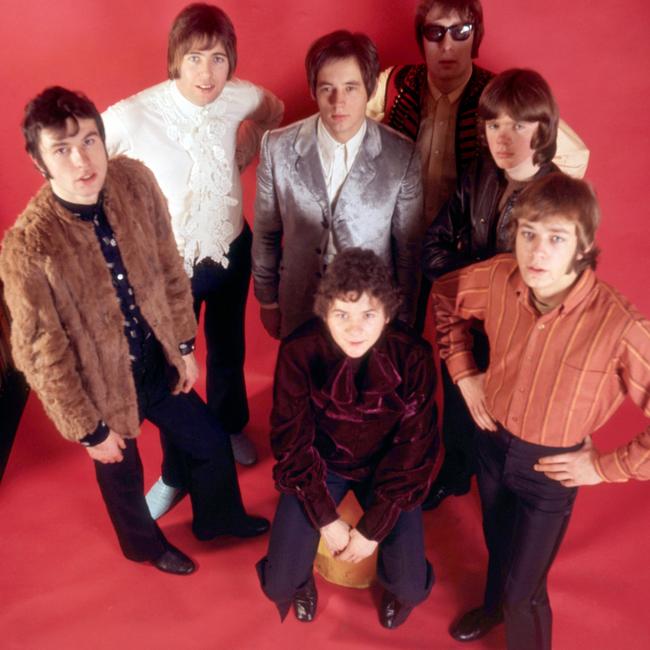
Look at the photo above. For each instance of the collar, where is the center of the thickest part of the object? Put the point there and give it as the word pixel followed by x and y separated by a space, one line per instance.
pixel 454 95
pixel 84 212
pixel 328 146
pixel 185 106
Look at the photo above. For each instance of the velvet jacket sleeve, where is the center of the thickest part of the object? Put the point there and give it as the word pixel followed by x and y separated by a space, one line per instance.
pixel 299 469
pixel 402 477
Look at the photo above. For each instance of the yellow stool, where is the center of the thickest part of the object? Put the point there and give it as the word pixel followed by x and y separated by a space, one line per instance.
pixel 346 574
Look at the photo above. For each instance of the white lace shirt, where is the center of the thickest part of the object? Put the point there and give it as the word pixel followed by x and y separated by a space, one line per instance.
pixel 196 154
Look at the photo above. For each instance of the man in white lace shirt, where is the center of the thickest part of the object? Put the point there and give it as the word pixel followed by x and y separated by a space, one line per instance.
pixel 196 132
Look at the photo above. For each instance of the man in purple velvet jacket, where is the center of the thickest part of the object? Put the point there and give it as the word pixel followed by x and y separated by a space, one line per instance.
pixel 353 409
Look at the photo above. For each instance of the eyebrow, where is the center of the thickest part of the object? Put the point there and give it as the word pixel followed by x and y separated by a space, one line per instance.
pixel 65 139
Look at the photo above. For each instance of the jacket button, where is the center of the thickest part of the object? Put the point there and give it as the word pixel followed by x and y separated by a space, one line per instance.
pixel 482 220
pixel 318 251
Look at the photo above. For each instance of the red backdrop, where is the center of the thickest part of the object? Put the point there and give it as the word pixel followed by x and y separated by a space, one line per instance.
pixel 594 54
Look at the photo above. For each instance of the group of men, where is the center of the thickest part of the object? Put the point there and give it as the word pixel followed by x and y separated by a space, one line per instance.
pixel 371 169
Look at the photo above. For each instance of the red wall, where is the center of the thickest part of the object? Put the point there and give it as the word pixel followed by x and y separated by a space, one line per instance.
pixel 594 54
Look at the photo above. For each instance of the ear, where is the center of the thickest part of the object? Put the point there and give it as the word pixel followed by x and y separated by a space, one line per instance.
pixel 41 170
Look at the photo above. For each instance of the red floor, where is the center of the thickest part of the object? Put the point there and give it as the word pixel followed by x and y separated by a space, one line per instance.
pixel 64 584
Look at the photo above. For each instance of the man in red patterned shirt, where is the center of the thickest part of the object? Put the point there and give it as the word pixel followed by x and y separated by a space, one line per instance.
pixel 565 350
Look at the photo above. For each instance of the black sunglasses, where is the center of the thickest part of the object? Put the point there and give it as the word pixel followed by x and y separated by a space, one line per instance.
pixel 435 33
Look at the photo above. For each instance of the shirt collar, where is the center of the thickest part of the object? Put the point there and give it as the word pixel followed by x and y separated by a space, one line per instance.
pixel 455 94
pixel 327 145
pixel 84 212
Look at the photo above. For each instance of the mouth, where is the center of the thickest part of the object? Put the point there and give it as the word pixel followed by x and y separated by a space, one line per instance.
pixel 533 270
pixel 205 87
pixel 87 178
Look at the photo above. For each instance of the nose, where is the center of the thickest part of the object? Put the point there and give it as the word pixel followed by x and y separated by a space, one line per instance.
pixel 354 326
pixel 79 156
pixel 447 41
pixel 336 97
pixel 503 137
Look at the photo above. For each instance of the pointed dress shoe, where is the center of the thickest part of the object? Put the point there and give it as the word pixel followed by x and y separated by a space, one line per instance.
pixel 392 612
pixel 305 601
pixel 475 624
pixel 174 561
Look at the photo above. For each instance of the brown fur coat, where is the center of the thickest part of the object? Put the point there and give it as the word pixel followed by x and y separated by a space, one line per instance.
pixel 67 332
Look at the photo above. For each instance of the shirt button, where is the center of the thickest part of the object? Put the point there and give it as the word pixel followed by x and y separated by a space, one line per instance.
pixel 482 220
pixel 120 276
pixel 113 242
pixel 437 151
pixel 541 327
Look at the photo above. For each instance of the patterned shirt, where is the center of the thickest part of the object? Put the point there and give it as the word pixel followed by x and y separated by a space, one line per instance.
pixel 553 378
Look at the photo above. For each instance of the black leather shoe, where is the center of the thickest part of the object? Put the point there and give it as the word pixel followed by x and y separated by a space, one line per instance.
pixel 475 624
pixel 305 601
pixel 392 612
pixel 440 491
pixel 249 526
pixel 174 561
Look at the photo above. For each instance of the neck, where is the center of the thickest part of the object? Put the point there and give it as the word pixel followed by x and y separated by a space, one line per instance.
pixel 523 171
pixel 448 86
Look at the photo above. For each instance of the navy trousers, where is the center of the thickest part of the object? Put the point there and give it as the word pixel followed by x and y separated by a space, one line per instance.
pixel 224 292
pixel 402 567
pixel 204 458
pixel 525 516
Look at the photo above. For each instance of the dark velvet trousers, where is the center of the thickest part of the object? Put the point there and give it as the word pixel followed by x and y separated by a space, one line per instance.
pixel 224 292
pixel 458 428
pixel 402 568
pixel 525 516
pixel 204 457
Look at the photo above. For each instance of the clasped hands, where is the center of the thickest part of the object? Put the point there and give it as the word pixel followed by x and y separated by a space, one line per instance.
pixel 571 469
pixel 346 543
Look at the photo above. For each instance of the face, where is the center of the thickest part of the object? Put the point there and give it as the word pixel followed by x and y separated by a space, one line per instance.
pixel 203 74
pixel 448 62
pixel 509 141
pixel 76 163
pixel 546 251
pixel 341 96
pixel 356 326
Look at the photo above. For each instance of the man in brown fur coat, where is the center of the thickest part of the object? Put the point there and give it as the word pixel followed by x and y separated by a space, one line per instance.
pixel 103 326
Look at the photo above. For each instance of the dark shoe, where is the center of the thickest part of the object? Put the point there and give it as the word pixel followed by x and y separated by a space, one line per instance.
pixel 249 527
pixel 440 491
pixel 475 624
pixel 305 601
pixel 243 449
pixel 392 612
pixel 174 561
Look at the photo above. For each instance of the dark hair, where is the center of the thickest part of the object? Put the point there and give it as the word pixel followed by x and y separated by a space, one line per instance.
pixel 200 25
pixel 469 10
pixel 526 97
pixel 353 272
pixel 52 109
pixel 343 44
pixel 558 194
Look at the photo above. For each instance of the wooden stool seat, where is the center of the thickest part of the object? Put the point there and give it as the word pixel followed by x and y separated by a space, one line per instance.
pixel 346 574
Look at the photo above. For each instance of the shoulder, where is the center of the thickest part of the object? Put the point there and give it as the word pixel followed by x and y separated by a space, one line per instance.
pixel 399 146
pixel 287 135
pixel 306 342
pixel 29 239
pixel 401 336
pixel 621 310
pixel 132 106
pixel 128 178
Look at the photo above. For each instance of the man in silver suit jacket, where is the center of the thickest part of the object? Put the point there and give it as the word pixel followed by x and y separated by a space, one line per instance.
pixel 330 182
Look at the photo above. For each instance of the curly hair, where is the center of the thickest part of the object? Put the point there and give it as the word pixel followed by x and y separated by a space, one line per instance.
pixel 353 272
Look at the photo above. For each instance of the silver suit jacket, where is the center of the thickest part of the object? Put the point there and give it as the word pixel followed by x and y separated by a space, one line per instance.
pixel 379 207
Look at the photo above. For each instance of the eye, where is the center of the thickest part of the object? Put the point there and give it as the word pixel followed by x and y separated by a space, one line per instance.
pixel 520 126
pixel 193 58
pixel 491 126
pixel 89 141
pixel 528 235
pixel 219 58
pixel 557 239
pixel 370 315
pixel 60 151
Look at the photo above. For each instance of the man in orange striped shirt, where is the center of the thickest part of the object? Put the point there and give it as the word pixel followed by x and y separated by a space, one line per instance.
pixel 565 350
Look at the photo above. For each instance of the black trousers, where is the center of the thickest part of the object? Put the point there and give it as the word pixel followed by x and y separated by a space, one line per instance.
pixel 525 516
pixel 458 428
pixel 204 457
pixel 402 567
pixel 224 293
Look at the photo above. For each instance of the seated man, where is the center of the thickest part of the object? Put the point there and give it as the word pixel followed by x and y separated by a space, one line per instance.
pixel 353 409
pixel 103 327
pixel 565 348
pixel 330 182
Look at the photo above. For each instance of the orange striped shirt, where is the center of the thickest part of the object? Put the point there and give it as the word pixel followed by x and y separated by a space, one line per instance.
pixel 553 378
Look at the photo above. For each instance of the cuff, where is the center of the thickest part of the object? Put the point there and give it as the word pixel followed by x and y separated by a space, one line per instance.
pixel 461 364
pixel 97 436
pixel 610 469
pixel 377 522
pixel 187 347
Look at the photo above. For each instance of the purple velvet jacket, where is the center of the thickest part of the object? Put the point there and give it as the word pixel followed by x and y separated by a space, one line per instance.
pixel 373 418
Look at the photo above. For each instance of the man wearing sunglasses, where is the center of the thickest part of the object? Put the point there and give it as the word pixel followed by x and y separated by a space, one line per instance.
pixel 435 104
